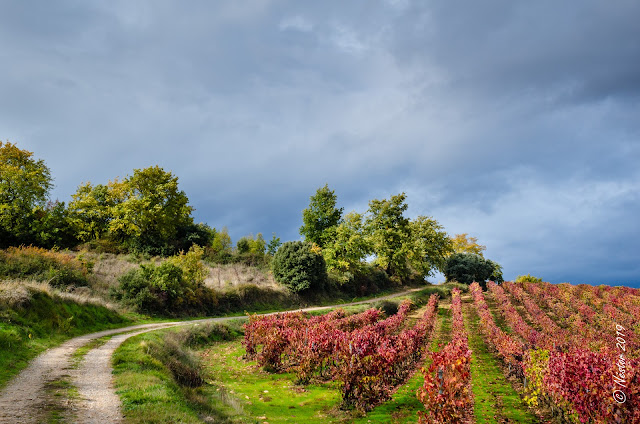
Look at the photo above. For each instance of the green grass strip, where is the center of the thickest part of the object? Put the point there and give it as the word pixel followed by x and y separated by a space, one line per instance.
pixel 495 399
pixel 273 398
pixel 145 386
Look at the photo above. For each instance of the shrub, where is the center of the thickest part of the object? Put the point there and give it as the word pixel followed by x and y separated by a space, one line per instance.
pixel 466 268
pixel 300 266
pixel 528 279
pixel 167 289
pixel 34 263
pixel 389 307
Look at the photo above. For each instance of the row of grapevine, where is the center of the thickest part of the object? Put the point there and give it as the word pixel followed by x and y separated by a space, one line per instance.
pixel 280 334
pixel 372 363
pixel 509 350
pixel 531 336
pixel 446 392
pixel 570 377
pixel 549 297
pixel 367 356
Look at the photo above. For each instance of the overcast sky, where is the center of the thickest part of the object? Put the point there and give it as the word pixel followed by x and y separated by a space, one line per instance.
pixel 517 122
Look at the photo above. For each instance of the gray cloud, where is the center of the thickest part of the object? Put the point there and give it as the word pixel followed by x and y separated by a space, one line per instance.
pixel 513 121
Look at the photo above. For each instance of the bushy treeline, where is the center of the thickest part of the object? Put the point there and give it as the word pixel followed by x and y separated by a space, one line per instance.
pixel 144 213
pixel 383 240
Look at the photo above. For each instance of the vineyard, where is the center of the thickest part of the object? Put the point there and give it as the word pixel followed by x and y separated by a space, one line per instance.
pixel 568 354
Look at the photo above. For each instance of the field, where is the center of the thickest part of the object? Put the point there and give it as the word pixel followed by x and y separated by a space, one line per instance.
pixel 514 353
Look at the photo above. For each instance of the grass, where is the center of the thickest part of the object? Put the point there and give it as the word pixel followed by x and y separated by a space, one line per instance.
pixel 78 355
pixel 59 392
pixel 495 399
pixel 273 398
pixel 145 386
pixel 34 317
pixel 147 382
pixel 404 405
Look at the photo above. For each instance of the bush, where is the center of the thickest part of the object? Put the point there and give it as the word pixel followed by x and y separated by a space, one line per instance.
pixel 466 268
pixel 167 289
pixel 300 267
pixel 34 263
pixel 366 280
pixel 389 307
pixel 528 279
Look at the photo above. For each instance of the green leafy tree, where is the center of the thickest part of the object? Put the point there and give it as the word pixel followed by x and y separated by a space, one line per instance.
pixel 199 234
pixel 389 234
pixel 466 268
pixel 496 274
pixel 321 217
pixel 528 278
pixel 151 212
pixel 300 266
pixel 53 228
pixel 25 183
pixel 430 246
pixel 463 243
pixel 221 247
pixel 349 247
pixel 91 211
pixel 243 245
pixel 273 245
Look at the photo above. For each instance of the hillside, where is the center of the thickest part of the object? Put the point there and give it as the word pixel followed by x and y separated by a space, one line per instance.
pixel 517 352
pixel 35 317
pixel 534 353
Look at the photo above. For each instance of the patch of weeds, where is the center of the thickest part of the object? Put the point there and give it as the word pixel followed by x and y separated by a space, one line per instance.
pixel 60 395
pixel 81 352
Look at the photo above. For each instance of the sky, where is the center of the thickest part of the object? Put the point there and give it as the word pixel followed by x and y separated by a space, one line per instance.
pixel 516 122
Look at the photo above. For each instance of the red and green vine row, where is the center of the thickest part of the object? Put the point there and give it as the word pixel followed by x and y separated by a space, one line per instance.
pixel 446 392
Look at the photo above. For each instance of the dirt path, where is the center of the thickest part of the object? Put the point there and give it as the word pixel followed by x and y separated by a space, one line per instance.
pixel 27 400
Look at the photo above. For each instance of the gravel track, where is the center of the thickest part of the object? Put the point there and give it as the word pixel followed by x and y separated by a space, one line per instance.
pixel 25 398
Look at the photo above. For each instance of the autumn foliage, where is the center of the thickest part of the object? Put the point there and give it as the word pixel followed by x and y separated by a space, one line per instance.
pixel 367 355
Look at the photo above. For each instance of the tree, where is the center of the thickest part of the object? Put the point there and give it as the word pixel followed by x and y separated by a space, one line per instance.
pixel 91 211
pixel 151 212
pixel 52 226
pixel 221 247
pixel 496 274
pixel 528 278
pixel 243 245
pixel 430 246
pixel 299 265
pixel 349 246
pixel 273 245
pixel 466 268
pixel 462 243
pixel 24 185
pixel 199 234
pixel 321 217
pixel 388 231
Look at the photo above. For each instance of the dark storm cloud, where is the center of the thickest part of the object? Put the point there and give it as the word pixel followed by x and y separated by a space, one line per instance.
pixel 516 122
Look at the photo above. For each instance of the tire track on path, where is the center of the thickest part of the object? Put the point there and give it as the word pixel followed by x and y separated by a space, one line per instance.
pixel 24 400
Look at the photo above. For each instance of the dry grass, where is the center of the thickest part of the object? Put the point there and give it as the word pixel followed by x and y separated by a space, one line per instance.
pixel 107 269
pixel 16 293
pixel 226 277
